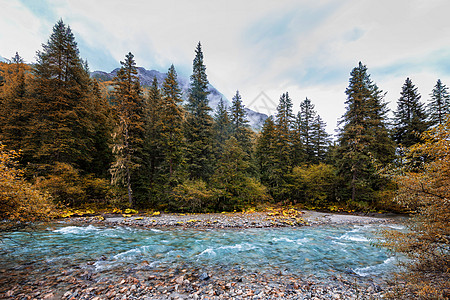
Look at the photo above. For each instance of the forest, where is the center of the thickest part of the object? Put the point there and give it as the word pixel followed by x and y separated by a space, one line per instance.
pixel 68 140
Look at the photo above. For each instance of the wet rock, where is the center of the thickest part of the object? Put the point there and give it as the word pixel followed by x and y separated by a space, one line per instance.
pixel 204 276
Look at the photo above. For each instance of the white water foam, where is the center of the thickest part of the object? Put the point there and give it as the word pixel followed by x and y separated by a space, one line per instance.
pixel 208 252
pixel 376 269
pixel 76 229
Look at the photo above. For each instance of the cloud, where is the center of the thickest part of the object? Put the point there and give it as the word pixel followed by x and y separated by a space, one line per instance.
pixel 304 47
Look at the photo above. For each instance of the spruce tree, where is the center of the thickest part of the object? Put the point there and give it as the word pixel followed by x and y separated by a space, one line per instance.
pixel 198 126
pixel 439 105
pixel 129 135
pixel 239 123
pixel 320 139
pixel 410 118
pixel 267 153
pixel 221 128
pixel 363 137
pixel 61 126
pixel 283 127
pixel 307 116
pixel 153 153
pixel 172 121
pixel 14 104
pixel 298 150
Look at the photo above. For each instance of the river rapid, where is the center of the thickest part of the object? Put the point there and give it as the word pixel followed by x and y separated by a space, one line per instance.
pixel 62 258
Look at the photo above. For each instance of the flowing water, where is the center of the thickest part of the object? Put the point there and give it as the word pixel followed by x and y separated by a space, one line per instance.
pixel 321 251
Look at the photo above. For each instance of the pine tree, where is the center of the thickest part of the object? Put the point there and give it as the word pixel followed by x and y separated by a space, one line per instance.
pixel 129 135
pixel 283 127
pixel 439 105
pixel 364 136
pixel 410 118
pixel 320 139
pixel 198 126
pixel 14 104
pixel 172 121
pixel 307 116
pixel 298 149
pixel 62 128
pixel 221 128
pixel 239 123
pixel 267 153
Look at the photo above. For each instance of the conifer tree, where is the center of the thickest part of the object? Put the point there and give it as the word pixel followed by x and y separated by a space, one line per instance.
pixel 364 136
pixel 410 118
pixel 14 104
pixel 221 128
pixel 129 135
pixel 152 147
pixel 267 153
pixel 198 126
pixel 320 139
pixel 283 127
pixel 172 121
pixel 239 123
pixel 61 130
pixel 298 149
pixel 439 105
pixel 307 116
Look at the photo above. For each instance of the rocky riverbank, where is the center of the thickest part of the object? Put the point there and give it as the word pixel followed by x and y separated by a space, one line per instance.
pixel 281 218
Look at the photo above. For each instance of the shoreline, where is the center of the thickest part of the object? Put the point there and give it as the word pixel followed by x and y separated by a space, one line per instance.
pixel 235 220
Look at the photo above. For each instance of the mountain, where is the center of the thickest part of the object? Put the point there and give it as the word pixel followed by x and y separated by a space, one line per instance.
pixel 256 119
pixel 2 59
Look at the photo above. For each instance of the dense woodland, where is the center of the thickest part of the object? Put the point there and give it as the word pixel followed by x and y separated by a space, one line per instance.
pixel 67 139
pixel 84 141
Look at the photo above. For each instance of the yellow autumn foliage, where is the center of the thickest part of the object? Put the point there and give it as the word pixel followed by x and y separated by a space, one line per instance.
pixel 20 202
pixel 424 189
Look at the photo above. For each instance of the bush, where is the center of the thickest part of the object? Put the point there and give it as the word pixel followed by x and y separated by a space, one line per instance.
pixel 314 184
pixel 192 196
pixel 20 201
pixel 68 187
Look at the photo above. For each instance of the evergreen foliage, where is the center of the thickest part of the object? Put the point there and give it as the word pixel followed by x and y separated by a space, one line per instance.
pixel 198 126
pixel 61 126
pixel 439 105
pixel 307 116
pixel 171 123
pixel 410 118
pixel 239 123
pixel 363 138
pixel 129 134
pixel 221 128
pixel 14 103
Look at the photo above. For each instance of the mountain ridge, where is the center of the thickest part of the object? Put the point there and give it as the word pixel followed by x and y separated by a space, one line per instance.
pixel 256 119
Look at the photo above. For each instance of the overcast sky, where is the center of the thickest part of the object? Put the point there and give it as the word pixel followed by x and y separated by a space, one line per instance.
pixel 262 48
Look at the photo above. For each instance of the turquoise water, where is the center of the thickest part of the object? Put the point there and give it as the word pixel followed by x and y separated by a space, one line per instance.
pixel 321 251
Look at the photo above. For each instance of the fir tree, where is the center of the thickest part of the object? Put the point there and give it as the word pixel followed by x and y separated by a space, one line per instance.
pixel 239 123
pixel 307 116
pixel 172 120
pixel 128 139
pixel 320 139
pixel 198 126
pixel 298 149
pixel 410 118
pixel 364 136
pixel 267 153
pixel 153 153
pixel 14 104
pixel 439 105
pixel 221 128
pixel 283 127
pixel 62 127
